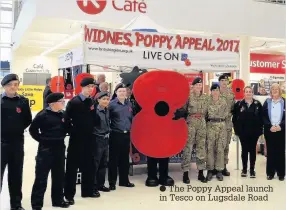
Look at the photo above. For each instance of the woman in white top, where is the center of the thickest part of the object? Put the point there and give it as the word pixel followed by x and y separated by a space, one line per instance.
pixel 274 132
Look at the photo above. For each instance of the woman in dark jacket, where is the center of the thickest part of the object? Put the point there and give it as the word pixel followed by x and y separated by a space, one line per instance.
pixel 248 126
pixel 274 133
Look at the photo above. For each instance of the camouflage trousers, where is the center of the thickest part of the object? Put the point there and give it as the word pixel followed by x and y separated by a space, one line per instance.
pixel 216 140
pixel 196 136
pixel 228 139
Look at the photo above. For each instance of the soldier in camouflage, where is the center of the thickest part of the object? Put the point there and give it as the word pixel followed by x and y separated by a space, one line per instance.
pixel 216 133
pixel 196 108
pixel 228 95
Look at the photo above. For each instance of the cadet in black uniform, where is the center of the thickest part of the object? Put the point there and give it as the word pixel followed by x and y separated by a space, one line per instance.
pixel 121 116
pixel 101 138
pixel 79 110
pixel 49 128
pixel 15 118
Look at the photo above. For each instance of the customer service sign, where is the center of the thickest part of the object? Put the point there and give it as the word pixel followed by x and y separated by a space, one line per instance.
pixel 158 50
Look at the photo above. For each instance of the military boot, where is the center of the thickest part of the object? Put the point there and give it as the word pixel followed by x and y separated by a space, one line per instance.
pixel 225 172
pixel 219 176
pixel 186 178
pixel 214 172
pixel 209 175
pixel 201 176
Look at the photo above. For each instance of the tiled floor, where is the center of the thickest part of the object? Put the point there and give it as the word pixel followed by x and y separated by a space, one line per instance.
pixel 142 198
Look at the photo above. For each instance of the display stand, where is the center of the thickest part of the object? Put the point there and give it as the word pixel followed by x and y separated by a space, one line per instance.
pixel 181 53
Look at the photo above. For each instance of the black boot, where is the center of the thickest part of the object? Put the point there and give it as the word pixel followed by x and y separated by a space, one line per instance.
pixel 214 172
pixel 63 204
pixel 219 176
pixel 152 182
pixel 166 181
pixel 201 176
pixel 209 175
pixel 186 178
pixel 225 172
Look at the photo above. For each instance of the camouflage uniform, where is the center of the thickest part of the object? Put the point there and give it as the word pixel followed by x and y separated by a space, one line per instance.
pixel 229 98
pixel 196 132
pixel 216 134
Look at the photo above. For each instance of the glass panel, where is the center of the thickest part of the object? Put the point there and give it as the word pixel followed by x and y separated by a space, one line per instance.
pixel 6 17
pixel 6 35
pixel 5 54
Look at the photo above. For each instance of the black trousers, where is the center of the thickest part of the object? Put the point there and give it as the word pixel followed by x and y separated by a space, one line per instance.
pixel 49 158
pixel 275 143
pixel 119 148
pixel 163 167
pixel 12 154
pixel 79 156
pixel 248 146
pixel 100 160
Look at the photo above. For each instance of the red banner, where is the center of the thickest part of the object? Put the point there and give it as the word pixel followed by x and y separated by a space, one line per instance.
pixel 191 76
pixel 267 63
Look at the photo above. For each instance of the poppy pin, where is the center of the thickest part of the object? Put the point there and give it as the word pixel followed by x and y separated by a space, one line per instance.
pixel 18 110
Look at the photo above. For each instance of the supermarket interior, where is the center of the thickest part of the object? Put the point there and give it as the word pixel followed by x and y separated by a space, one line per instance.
pixel 59 41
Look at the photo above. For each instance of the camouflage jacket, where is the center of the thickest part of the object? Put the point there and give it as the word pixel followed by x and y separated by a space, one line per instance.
pixel 218 109
pixel 228 96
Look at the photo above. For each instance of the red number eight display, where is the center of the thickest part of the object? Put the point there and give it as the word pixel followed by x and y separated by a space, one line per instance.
pixel 154 132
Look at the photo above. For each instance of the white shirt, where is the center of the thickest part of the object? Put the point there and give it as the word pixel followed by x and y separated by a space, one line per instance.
pixel 276 112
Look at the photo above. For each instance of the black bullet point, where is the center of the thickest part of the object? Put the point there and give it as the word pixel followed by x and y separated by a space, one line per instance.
pixel 162 188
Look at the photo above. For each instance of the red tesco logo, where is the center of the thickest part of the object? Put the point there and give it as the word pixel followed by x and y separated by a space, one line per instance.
pixel 93 7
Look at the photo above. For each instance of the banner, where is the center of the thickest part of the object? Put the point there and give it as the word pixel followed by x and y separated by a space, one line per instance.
pixel 267 69
pixel 267 64
pixel 139 159
pixel 34 94
pixel 157 50
pixel 191 76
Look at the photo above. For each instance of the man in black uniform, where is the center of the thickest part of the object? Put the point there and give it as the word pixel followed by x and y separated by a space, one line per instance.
pixel 100 140
pixel 47 92
pixel 49 128
pixel 79 110
pixel 15 117
pixel 121 116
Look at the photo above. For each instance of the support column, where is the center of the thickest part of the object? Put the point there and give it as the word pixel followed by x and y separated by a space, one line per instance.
pixel 244 53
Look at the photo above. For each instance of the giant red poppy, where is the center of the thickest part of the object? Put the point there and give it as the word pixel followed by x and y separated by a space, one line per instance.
pixel 237 89
pixel 57 84
pixel 78 80
pixel 154 132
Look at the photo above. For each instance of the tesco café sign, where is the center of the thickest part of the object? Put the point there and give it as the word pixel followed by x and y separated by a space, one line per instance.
pixel 93 7
pixel 267 64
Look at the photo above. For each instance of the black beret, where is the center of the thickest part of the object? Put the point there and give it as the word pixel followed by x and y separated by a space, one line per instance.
pixel 197 80
pixel 120 85
pixel 87 81
pixel 214 87
pixel 102 94
pixel 54 97
pixel 8 78
pixel 222 77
